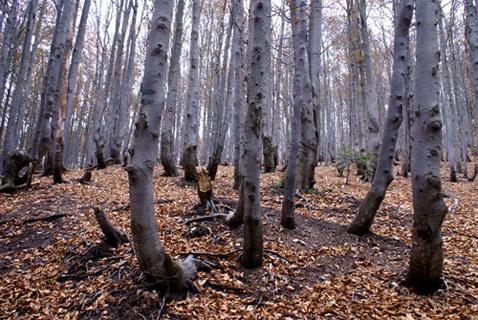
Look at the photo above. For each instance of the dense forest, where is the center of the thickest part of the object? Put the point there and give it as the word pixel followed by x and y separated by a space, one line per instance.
pixel 217 159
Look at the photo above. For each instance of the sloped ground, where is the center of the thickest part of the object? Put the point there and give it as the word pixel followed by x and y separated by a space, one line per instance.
pixel 60 269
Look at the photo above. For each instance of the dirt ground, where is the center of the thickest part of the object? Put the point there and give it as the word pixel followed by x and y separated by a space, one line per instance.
pixel 53 263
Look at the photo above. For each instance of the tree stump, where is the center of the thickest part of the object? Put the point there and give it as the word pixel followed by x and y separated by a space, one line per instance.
pixel 13 179
pixel 205 192
pixel 113 236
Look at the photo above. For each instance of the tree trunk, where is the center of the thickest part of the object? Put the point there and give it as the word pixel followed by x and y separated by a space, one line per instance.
pixel 238 80
pixel 75 64
pixel 250 150
pixel 189 158
pixel 16 107
pixel 299 33
pixel 150 253
pixel 384 174
pixel 309 138
pixel 172 99
pixel 314 47
pixel 370 95
pixel 426 257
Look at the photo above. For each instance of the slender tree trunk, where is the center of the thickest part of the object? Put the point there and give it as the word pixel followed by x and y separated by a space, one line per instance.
pixel 268 147
pixel 299 33
pixel 238 80
pixel 384 174
pixel 16 107
pixel 73 74
pixel 314 47
pixel 426 257
pixel 50 95
pixel 370 94
pixel 59 107
pixel 189 158
pixel 117 132
pixel 172 100
pixel 5 53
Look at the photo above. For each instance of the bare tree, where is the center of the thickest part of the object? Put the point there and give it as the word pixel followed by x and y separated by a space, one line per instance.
pixel 384 174
pixel 426 257
pixel 152 258
pixel 172 100
pixel 189 157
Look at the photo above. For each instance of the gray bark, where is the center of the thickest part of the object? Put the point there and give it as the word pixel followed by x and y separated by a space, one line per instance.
pixel 190 132
pixel 172 100
pixel 238 80
pixel 74 66
pixel 299 33
pixel 426 257
pixel 384 174
pixel 16 106
pixel 314 47
pixel 150 253
pixel 370 94
pixel 309 137
pixel 119 114
pixel 42 135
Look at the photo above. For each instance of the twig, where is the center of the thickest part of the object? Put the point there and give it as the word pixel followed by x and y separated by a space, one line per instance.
pixel 163 304
pixel 277 255
pixel 209 217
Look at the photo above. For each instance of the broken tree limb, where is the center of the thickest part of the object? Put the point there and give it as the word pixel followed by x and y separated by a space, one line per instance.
pixel 114 236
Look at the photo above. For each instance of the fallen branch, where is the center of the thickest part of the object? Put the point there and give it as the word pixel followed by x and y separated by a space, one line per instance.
pixel 277 255
pixel 205 218
pixel 50 218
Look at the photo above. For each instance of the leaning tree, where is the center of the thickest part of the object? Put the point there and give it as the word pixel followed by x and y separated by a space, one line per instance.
pixel 398 88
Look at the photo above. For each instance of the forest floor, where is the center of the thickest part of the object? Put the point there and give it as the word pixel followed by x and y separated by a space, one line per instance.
pixel 59 268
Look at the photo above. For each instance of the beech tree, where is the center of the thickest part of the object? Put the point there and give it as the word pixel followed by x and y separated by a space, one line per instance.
pixel 152 257
pixel 384 173
pixel 190 126
pixel 167 159
pixel 426 257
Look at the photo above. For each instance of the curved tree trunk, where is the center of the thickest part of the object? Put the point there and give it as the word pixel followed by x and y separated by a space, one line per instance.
pixel 426 257
pixel 150 253
pixel 384 174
